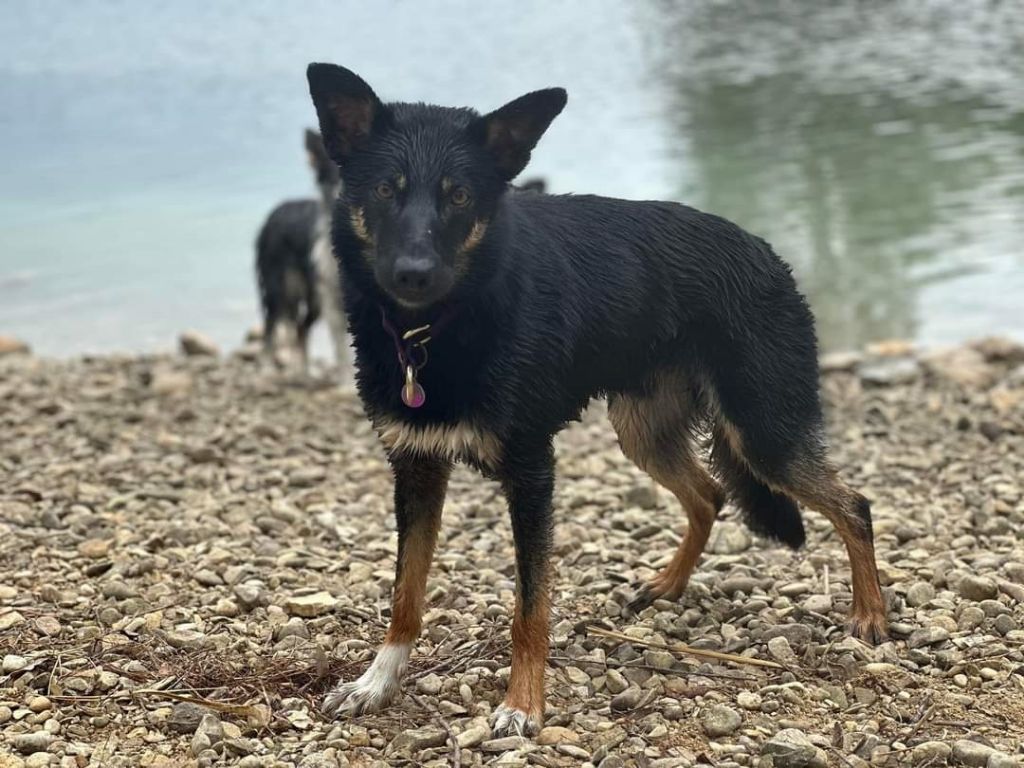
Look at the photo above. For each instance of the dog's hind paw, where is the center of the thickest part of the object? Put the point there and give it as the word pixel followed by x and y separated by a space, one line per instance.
pixel 509 721
pixel 645 596
pixel 869 628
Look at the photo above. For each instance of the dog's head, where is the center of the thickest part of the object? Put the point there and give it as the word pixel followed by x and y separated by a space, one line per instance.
pixel 328 180
pixel 423 184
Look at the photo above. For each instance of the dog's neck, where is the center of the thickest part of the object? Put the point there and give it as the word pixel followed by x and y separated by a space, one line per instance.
pixel 411 351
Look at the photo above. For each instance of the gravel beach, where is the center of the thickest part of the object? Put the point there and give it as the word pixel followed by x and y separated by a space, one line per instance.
pixel 192 550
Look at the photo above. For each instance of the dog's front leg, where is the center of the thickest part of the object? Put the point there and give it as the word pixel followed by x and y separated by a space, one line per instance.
pixel 420 486
pixel 528 481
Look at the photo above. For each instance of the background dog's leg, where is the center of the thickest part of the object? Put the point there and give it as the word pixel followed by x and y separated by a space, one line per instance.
pixel 528 481
pixel 271 315
pixel 311 315
pixel 420 486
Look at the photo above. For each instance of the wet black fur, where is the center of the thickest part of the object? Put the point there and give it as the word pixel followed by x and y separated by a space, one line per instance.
pixel 573 297
pixel 284 267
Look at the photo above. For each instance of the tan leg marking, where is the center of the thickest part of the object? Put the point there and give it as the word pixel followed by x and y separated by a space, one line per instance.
pixel 840 504
pixel 411 579
pixel 654 433
pixel 382 682
pixel 522 711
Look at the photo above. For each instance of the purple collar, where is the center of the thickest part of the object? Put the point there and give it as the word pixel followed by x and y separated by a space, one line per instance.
pixel 411 349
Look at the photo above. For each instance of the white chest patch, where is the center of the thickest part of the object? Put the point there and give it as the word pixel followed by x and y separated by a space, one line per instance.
pixel 446 441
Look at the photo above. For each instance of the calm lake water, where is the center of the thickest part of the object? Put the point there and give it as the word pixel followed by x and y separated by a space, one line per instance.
pixel 878 145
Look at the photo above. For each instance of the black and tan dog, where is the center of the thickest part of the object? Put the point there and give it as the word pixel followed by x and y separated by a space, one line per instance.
pixel 530 305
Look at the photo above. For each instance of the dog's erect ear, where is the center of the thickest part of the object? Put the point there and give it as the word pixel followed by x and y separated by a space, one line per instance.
pixel 348 109
pixel 512 131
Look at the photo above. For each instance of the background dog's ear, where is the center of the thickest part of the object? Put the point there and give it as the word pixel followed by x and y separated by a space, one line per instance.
pixel 315 148
pixel 512 131
pixel 314 144
pixel 348 109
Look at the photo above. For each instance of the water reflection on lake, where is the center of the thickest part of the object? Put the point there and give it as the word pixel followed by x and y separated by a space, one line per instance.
pixel 879 147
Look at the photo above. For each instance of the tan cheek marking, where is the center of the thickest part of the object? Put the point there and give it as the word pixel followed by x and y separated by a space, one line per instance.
pixel 476 234
pixel 358 220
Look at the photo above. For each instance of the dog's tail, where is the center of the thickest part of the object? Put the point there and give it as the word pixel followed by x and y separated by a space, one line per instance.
pixel 767 512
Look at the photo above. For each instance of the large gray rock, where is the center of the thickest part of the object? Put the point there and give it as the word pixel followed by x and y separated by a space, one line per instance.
pixel 12 346
pixel 185 717
pixel 310 606
pixel 790 748
pixel 962 365
pixel 209 734
pixel 416 739
pixel 729 538
pixel 195 344
pixel 29 743
pixel 977 588
pixel 888 372
pixel 719 720
pixel 919 638
pixel 971 753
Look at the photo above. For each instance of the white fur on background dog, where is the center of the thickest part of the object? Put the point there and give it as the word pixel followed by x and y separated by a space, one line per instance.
pixel 329 287
pixel 376 688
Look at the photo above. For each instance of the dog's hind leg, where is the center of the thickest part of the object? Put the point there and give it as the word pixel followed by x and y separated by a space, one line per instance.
pixel 309 317
pixel 654 432
pixel 807 477
pixel 816 484
pixel 420 486
pixel 528 481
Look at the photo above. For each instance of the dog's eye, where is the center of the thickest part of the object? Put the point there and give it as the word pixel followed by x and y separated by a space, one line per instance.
pixel 384 190
pixel 460 196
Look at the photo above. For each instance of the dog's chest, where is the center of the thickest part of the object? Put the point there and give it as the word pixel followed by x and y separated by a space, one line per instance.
pixel 460 441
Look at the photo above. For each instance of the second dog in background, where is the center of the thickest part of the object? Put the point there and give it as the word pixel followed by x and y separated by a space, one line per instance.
pixel 295 267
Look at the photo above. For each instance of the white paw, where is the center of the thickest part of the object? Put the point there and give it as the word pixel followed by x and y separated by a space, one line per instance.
pixel 508 721
pixel 375 688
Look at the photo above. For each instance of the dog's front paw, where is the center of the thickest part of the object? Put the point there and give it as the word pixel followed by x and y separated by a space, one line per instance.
pixel 359 697
pixel 509 721
pixel 375 689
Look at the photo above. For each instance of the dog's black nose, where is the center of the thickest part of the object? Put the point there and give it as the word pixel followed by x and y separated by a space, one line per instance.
pixel 414 277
